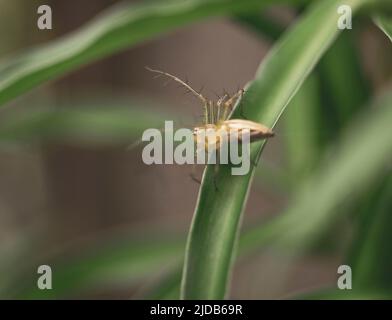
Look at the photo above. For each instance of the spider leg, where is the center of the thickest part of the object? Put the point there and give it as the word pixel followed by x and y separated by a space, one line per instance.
pixel 235 96
pixel 183 83
pixel 228 104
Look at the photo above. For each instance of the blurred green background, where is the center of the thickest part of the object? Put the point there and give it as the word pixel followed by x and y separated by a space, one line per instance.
pixel 73 197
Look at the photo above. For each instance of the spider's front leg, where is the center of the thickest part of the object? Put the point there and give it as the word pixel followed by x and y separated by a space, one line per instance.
pixel 228 104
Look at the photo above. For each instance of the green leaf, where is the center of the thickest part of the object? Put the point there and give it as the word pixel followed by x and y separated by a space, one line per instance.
pixel 218 212
pixel 385 24
pixel 118 27
pixel 261 25
pixel 371 260
pixel 107 263
pixel 167 288
pixel 80 126
pixel 344 88
pixel 347 171
pixel 346 174
pixel 301 130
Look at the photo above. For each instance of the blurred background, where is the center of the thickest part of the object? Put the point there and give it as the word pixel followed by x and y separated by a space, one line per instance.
pixel 112 227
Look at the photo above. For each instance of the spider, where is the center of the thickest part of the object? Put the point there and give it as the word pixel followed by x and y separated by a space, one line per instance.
pixel 216 118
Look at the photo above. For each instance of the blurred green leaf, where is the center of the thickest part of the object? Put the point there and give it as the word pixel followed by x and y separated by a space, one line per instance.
pixel 272 90
pixel 118 27
pixel 301 130
pixel 167 288
pixel 346 173
pixel 344 88
pixel 300 118
pixel 385 24
pixel 269 174
pixel 217 215
pixel 105 264
pixel 371 259
pixel 88 126
pixel 262 25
